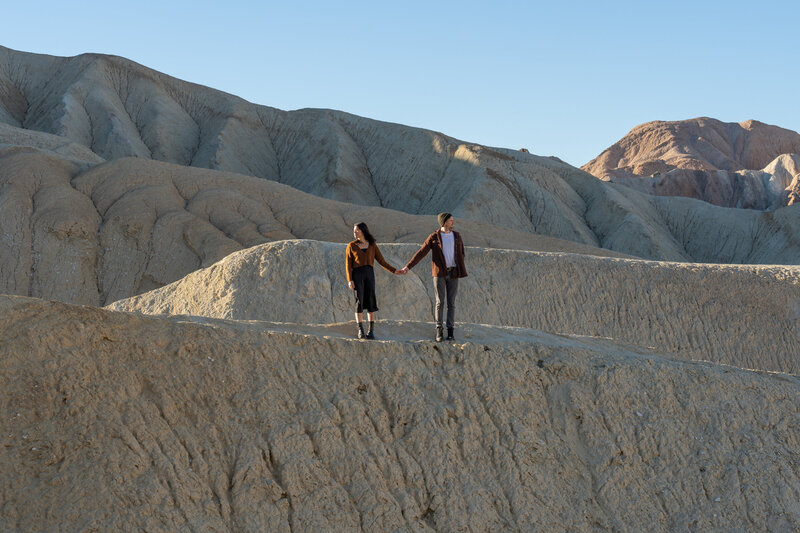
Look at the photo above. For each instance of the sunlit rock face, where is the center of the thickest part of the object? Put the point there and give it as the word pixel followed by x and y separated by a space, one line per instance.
pixel 747 165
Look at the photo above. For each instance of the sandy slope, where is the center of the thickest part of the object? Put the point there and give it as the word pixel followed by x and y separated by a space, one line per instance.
pixel 120 422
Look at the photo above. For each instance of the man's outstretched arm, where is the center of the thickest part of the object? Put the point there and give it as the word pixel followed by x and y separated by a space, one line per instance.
pixel 421 253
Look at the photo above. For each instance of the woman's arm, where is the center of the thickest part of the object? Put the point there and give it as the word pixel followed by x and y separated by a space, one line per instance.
pixel 382 261
pixel 348 263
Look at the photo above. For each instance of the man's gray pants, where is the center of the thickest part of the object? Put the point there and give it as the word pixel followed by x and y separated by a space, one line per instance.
pixel 446 288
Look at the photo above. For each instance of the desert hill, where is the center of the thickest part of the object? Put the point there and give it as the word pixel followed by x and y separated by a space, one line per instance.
pixel 747 165
pixel 115 108
pixel 85 232
pixel 113 421
pixel 94 234
pixel 746 316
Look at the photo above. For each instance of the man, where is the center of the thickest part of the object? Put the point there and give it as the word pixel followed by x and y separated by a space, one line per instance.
pixel 447 265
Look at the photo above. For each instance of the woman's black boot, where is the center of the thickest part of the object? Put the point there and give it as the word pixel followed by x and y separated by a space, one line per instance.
pixel 360 330
pixel 450 334
pixel 370 333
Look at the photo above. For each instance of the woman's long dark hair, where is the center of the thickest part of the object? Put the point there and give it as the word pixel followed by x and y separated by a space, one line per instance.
pixel 365 230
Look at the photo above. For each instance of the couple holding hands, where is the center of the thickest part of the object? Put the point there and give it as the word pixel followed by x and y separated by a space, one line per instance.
pixel 447 267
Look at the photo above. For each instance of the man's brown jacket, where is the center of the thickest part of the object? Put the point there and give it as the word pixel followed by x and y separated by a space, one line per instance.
pixel 438 266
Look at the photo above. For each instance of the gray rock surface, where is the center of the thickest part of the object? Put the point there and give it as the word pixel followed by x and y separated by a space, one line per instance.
pixel 117 108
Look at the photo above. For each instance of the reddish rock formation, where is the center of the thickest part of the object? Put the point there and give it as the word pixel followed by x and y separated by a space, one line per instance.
pixel 749 164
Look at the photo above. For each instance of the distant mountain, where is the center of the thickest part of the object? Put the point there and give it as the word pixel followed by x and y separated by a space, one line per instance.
pixel 117 108
pixel 749 165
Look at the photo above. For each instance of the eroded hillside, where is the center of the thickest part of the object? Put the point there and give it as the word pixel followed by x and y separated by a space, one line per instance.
pixel 93 235
pixel 115 108
pixel 113 421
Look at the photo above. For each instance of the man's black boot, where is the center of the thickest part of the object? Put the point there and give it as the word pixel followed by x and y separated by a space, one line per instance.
pixel 360 330
pixel 439 334
pixel 450 334
pixel 370 333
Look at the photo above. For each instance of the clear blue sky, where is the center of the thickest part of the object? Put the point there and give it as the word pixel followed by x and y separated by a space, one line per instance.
pixel 559 78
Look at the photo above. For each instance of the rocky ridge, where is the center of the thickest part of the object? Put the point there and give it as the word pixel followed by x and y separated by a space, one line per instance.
pixel 745 316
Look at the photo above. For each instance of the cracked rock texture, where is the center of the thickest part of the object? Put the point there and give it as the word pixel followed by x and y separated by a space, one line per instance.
pixel 746 316
pixel 747 165
pixel 111 421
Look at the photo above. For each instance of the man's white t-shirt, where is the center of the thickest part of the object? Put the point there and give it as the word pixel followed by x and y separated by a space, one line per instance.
pixel 448 247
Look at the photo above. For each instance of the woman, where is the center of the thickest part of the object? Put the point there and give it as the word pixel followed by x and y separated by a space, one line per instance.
pixel 359 257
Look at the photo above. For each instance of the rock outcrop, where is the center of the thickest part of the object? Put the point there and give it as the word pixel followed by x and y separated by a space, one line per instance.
pixel 746 316
pixel 112 421
pixel 696 144
pixel 776 185
pixel 749 165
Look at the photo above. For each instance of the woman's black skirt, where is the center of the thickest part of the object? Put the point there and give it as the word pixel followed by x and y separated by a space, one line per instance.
pixel 364 280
